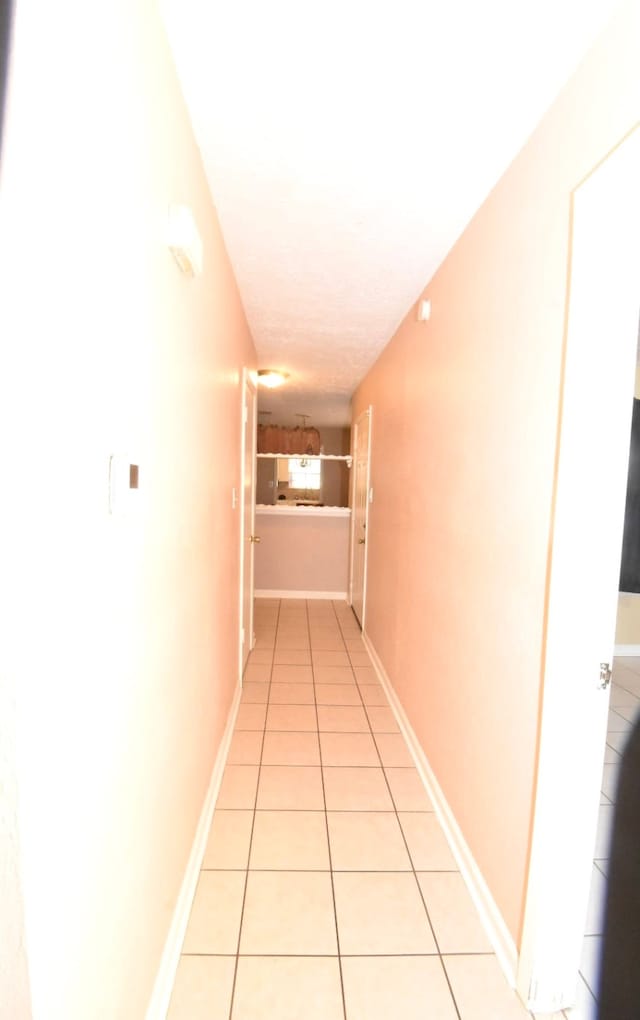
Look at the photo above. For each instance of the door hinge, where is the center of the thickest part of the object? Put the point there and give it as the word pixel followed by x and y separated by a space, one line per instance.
pixel 605 676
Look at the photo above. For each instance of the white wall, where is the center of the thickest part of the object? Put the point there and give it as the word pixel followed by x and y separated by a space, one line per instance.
pixel 119 632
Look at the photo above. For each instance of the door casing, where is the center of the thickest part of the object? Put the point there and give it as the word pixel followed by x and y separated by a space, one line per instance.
pixel 582 592
pixel 247 514
pixel 360 514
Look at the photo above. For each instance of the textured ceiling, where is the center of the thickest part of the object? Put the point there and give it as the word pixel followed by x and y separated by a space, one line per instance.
pixel 347 145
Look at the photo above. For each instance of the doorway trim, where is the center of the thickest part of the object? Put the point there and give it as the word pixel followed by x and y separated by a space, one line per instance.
pixel 604 286
pixel 368 414
pixel 248 408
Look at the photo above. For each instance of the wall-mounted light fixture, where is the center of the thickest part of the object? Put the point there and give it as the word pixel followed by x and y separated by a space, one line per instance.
pixel 184 240
pixel 424 311
pixel 271 377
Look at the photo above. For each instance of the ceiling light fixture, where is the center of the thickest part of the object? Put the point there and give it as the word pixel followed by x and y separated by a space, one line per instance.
pixel 271 377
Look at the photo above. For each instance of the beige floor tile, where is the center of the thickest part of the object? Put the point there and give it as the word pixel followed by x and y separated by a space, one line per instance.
pixel 610 781
pixel 291 694
pixel 454 918
pixel 337 694
pixel 258 672
pixel 342 719
pixel 260 656
pixel 327 644
pixel 354 644
pixel 393 750
pixel 215 916
pixel 292 657
pixel 292 640
pixel 366 675
pixel 590 960
pixel 616 740
pixel 428 848
pixel 381 912
pixel 290 788
pixel 329 658
pixel 290 633
pixel 350 632
pixel 359 658
pixel 245 748
pixel 288 912
pixel 290 841
pixel 348 749
pixel 383 720
pixel 264 641
pixel 333 675
pixel 238 787
pixel 356 789
pixel 585 1007
pixel 320 633
pixel 373 694
pixel 617 723
pixel 597 899
pixel 628 712
pixel 292 674
pixel 288 988
pixel 254 693
pixel 251 717
pixel 407 790
pixel 202 989
pixel 603 832
pixel 366 841
pixel 396 988
pixel 292 717
pixel 290 749
pixel 228 841
pixel 481 991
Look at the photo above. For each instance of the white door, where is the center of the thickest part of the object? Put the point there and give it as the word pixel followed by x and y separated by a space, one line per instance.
pixel 361 459
pixel 602 335
pixel 247 536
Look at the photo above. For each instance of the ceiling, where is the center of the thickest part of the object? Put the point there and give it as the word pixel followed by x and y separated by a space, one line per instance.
pixel 347 145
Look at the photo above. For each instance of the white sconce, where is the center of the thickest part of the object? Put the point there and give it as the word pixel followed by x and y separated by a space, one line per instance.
pixel 424 311
pixel 184 240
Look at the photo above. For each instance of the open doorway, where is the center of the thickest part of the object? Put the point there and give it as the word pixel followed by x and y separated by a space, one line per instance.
pixel 599 370
pixel 624 705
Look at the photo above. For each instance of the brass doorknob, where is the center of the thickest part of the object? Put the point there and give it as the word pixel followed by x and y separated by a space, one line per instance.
pixel 361 541
pixel 255 538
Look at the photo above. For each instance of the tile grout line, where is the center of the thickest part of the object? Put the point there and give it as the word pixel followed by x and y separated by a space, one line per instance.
pixel 326 825
pixel 253 822
pixel 413 869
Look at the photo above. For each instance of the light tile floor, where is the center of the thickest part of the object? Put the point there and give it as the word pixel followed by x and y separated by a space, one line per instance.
pixel 623 708
pixel 328 890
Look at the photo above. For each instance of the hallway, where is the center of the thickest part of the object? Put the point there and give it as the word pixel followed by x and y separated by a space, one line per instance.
pixel 327 888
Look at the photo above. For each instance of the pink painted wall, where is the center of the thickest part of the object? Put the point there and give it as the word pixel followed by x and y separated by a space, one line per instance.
pixel 120 632
pixel 465 413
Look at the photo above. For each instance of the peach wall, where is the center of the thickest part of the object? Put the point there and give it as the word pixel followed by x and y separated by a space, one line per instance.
pixel 465 412
pixel 121 631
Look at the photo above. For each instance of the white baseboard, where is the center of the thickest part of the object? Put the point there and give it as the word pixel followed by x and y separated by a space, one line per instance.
pixel 492 920
pixel 273 593
pixel 166 976
pixel 621 650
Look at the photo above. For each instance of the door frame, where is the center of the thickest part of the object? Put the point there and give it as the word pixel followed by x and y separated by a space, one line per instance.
pixel 246 548
pixel 367 413
pixel 567 794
